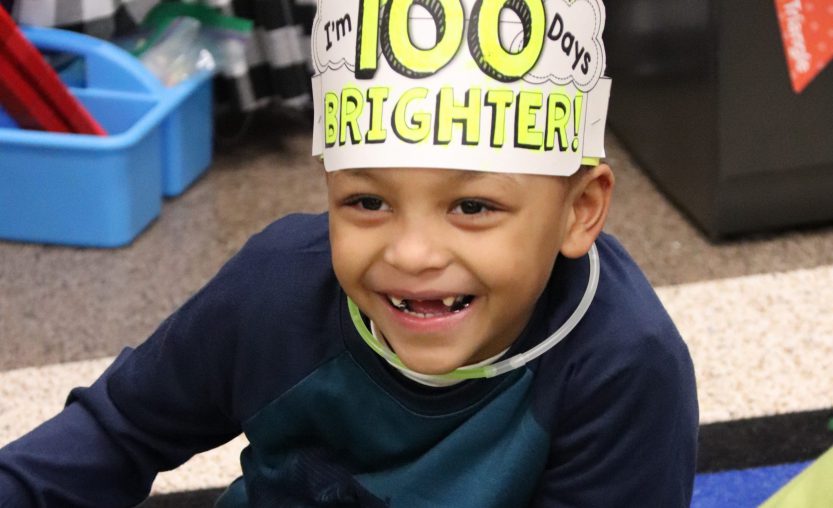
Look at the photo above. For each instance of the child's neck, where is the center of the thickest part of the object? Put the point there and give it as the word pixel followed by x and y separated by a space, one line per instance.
pixel 428 379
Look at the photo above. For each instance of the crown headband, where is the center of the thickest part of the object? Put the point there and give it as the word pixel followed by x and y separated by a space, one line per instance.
pixel 510 86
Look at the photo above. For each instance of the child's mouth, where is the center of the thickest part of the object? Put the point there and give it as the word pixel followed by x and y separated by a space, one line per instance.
pixel 431 308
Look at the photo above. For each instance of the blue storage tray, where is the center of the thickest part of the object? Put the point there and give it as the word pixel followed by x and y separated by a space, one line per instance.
pixel 103 191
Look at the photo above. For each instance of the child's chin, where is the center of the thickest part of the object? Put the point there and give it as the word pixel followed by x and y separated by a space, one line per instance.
pixel 431 365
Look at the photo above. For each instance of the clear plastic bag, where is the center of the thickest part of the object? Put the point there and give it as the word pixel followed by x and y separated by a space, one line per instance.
pixel 181 40
pixel 179 53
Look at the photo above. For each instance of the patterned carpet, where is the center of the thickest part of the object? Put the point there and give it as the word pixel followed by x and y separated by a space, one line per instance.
pixel 754 311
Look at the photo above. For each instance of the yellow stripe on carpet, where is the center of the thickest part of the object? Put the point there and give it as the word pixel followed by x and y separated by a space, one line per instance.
pixel 812 488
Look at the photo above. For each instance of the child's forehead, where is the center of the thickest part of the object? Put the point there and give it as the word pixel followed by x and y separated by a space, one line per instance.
pixel 443 176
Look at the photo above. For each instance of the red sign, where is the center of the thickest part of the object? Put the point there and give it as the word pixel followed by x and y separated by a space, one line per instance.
pixel 807 31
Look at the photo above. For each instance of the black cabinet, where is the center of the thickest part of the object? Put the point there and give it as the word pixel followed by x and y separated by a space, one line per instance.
pixel 702 99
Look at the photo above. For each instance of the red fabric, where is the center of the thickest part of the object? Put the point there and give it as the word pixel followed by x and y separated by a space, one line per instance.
pixel 23 103
pixel 32 90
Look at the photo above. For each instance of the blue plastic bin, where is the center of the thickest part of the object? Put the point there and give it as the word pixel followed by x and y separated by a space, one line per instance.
pixel 103 191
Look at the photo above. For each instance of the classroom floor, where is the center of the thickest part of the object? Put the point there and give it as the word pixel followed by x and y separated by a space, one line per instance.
pixel 755 311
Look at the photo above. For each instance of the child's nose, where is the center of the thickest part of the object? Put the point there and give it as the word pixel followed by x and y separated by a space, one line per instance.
pixel 416 248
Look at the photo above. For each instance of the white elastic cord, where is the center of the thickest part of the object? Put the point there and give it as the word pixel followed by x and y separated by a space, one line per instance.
pixel 431 380
pixel 565 329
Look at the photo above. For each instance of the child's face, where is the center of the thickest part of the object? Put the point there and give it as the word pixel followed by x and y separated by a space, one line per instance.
pixel 448 264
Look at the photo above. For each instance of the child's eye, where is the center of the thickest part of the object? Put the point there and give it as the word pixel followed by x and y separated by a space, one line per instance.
pixel 370 203
pixel 471 207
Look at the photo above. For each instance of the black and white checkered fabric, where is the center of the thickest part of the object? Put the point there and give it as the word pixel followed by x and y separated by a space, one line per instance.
pixel 277 66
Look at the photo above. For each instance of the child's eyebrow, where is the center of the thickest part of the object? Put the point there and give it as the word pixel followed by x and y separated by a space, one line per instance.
pixel 361 173
pixel 505 182
pixel 468 176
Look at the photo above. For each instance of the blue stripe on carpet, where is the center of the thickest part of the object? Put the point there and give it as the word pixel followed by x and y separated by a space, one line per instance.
pixel 742 488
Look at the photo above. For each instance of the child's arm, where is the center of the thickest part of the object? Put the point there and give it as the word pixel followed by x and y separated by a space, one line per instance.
pixel 152 409
pixel 629 437
pixel 145 414
pixel 212 365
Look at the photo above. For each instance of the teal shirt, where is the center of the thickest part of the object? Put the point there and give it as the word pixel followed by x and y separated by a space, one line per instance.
pixel 365 446
pixel 606 418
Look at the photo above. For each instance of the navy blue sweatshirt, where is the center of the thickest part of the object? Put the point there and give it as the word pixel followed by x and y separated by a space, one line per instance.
pixel 606 418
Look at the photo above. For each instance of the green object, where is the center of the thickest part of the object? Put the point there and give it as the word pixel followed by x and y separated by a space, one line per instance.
pixel 812 488
pixel 165 12
pixel 830 425
pixel 158 19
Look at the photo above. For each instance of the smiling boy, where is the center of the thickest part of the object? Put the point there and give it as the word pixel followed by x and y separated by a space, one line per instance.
pixel 456 331
pixel 449 264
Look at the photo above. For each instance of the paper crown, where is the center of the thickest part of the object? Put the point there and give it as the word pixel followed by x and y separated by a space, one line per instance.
pixel 510 86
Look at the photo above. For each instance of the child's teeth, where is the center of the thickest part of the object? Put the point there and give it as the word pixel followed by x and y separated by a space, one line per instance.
pixel 448 301
pixel 397 302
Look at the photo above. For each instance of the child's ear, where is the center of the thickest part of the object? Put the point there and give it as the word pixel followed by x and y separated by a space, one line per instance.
pixel 589 202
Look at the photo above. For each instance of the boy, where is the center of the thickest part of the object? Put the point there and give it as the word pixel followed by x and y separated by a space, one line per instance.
pixel 448 334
